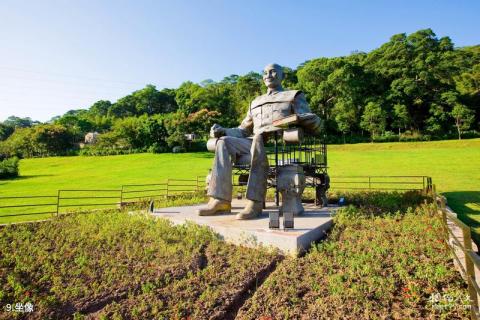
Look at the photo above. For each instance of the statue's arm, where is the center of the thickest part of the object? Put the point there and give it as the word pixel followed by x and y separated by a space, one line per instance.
pixel 307 119
pixel 244 130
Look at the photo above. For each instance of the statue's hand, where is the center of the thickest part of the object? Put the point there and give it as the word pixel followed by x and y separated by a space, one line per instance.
pixel 217 131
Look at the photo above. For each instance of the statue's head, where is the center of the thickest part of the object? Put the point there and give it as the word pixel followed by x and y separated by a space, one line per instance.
pixel 273 76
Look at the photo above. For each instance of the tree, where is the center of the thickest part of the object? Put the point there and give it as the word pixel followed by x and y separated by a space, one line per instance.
pixel 124 107
pixel 151 101
pixel 401 117
pixel 51 140
pixel 201 121
pixel 38 141
pixel 345 116
pixel 290 79
pixel 468 85
pixel 153 133
pixel 435 124
pixel 77 125
pixel 100 108
pixel 188 97
pixel 373 119
pixel 415 70
pixel 129 128
pixel 245 89
pixel 463 118
pixel 20 144
pixel 16 122
pixel 5 131
pixel 167 101
pixel 218 97
pixel 327 81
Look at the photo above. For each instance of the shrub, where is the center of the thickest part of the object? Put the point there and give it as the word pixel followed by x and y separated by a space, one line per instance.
pixel 38 141
pixel 157 148
pixel 409 136
pixel 387 136
pixel 96 151
pixel 178 149
pixel 378 203
pixel 196 146
pixel 9 168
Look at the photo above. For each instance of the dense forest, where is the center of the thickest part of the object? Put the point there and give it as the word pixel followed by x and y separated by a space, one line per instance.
pixel 413 87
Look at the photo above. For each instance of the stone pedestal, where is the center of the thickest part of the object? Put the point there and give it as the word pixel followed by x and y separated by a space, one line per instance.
pixel 309 227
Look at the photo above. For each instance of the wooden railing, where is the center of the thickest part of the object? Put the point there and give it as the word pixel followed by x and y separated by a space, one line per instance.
pixel 83 199
pixel 381 183
pixel 461 244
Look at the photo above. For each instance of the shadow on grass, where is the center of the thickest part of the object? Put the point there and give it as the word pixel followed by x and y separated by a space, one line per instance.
pixel 3 181
pixel 467 205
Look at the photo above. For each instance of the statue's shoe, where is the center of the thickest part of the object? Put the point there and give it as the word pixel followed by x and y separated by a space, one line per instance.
pixel 252 210
pixel 215 206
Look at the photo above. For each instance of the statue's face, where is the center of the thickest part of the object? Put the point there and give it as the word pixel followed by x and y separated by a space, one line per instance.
pixel 273 76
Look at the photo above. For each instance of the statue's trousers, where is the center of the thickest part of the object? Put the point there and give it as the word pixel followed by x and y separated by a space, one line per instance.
pixel 228 150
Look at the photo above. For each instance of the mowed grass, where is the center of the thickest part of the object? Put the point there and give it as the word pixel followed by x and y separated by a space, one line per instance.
pixel 44 176
pixel 47 175
pixel 454 166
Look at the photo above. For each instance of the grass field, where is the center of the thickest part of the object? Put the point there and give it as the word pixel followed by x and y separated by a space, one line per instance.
pixel 453 165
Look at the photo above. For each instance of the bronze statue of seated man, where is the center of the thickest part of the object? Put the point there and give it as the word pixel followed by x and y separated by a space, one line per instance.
pixel 248 139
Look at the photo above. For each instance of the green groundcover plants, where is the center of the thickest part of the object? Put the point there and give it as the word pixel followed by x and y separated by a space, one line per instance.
pixel 375 265
pixel 383 259
pixel 122 265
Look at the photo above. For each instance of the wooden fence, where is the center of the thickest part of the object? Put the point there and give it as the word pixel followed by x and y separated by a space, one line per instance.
pixel 84 199
pixel 458 238
pixel 381 183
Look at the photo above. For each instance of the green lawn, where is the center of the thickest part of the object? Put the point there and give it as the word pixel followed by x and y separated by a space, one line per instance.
pixel 453 165
pixel 47 175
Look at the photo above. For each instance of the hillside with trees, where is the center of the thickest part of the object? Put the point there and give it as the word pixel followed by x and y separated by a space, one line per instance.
pixel 413 87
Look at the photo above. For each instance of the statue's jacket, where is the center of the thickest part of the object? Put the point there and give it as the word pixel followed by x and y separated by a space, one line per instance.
pixel 267 108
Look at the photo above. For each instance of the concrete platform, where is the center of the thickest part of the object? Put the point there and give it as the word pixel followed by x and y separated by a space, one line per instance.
pixel 309 227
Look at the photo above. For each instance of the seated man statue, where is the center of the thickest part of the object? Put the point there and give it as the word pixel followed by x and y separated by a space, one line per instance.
pixel 249 138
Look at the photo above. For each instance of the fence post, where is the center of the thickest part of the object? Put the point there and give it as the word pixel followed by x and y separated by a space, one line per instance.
pixel 168 182
pixel 58 200
pixel 443 204
pixel 440 206
pixel 470 268
pixel 121 197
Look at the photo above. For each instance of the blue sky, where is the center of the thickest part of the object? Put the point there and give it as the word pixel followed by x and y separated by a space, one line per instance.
pixel 62 55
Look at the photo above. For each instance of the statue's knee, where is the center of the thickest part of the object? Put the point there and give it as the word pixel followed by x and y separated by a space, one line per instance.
pixel 225 141
pixel 220 144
